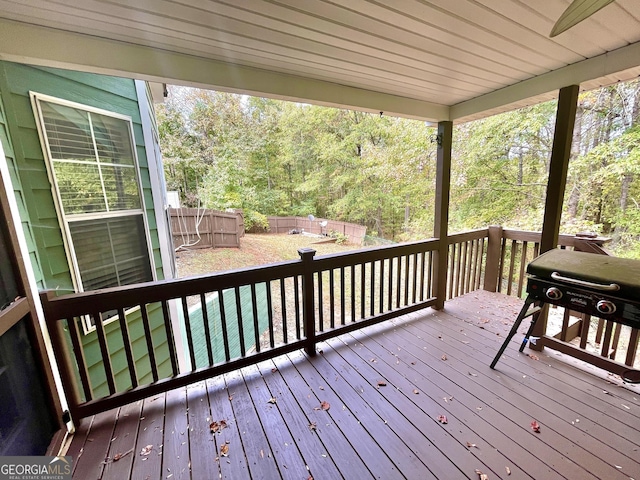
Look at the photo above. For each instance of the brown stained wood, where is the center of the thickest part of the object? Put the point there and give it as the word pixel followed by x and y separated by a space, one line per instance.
pixel 273 422
pixel 220 401
pixel 148 338
pixel 632 348
pixel 201 441
pixel 258 452
pixel 492 267
pixel 150 438
pixel 589 426
pixel 499 402
pixel 96 446
pixel 79 439
pixel 175 449
pixel 409 423
pixel 431 401
pixel 122 448
pixel 310 427
pixel 126 342
pixel 347 419
pixel 373 414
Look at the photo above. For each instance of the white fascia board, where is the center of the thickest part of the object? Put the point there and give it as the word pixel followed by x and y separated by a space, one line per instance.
pixel 619 60
pixel 37 45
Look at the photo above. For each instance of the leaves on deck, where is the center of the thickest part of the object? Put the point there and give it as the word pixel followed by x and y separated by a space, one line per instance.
pixel 381 383
pixel 471 445
pixel 224 450
pixel 535 426
pixel 216 426
pixel 415 390
pixel 324 405
pixel 473 374
pixel 443 419
pixel 146 450
pixel 482 476
pixel 313 426
pixel 272 400
pixel 533 356
pixel 508 470
pixel 443 357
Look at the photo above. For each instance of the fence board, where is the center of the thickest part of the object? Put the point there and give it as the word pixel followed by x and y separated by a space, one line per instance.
pixel 204 228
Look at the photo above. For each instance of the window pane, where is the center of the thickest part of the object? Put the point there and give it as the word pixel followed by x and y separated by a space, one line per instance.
pixel 121 187
pixel 113 140
pixel 80 187
pixel 68 132
pixel 111 251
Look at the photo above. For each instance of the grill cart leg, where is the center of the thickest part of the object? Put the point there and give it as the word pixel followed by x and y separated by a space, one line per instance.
pixel 524 313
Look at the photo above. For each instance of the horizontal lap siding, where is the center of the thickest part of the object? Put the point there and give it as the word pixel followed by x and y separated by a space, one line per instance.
pixel 37 207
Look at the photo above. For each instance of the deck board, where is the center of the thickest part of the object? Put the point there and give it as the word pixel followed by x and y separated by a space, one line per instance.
pixel 432 363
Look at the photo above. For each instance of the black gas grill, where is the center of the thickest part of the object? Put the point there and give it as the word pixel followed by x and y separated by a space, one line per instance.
pixel 598 285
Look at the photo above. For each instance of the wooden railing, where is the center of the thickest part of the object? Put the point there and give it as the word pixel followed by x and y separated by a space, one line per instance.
pixel 467 252
pixel 307 300
pixel 594 340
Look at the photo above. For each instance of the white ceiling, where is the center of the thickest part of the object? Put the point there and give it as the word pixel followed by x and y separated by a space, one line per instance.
pixel 434 60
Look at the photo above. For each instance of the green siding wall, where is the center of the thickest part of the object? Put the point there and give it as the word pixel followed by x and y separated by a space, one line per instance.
pixel 18 132
pixel 196 319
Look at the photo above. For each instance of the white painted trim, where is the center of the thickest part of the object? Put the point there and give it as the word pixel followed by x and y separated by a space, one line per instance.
pixel 159 195
pixel 619 60
pixel 65 219
pixel 25 43
pixel 32 285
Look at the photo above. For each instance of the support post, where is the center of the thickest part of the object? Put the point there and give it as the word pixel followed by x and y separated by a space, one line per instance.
pixel 441 217
pixel 308 310
pixel 560 153
pixel 492 267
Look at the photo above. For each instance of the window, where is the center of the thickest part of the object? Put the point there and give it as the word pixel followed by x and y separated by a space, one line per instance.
pixel 93 168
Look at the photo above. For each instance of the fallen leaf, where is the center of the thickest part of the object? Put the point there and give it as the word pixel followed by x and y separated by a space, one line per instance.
pixel 325 405
pixel 443 419
pixel 535 426
pixel 471 445
pixel 274 370
pixel 473 374
pixel 313 426
pixel 224 450
pixel 230 397
pixel 508 470
pixel 309 477
pixel 482 476
pixel 215 426
pixel 382 383
pixel 533 356
pixel 415 390
pixel 146 450
pixel 272 400
pixel 443 357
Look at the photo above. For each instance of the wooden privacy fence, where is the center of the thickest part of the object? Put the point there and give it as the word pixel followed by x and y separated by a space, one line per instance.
pixel 204 228
pixel 354 232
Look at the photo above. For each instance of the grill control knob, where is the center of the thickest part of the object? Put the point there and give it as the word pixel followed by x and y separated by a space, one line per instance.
pixel 554 293
pixel 606 306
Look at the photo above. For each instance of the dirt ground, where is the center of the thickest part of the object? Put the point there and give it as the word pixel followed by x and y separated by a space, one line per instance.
pixel 255 249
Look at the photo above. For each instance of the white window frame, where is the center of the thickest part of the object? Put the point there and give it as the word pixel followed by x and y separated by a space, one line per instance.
pixel 74 269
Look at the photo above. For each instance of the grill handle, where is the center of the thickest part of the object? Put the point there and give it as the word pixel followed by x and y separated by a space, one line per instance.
pixel 612 287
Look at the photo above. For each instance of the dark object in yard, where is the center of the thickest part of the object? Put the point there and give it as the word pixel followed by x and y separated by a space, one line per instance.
pixel 295 231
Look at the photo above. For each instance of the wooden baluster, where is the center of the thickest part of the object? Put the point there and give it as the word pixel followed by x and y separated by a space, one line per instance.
pixel 126 342
pixel 207 329
pixel 149 341
pixel 104 351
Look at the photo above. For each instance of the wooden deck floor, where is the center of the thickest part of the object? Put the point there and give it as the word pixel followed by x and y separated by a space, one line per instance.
pixel 368 407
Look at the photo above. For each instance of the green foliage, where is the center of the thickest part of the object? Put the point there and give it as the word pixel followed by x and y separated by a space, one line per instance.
pixel 341 238
pixel 269 157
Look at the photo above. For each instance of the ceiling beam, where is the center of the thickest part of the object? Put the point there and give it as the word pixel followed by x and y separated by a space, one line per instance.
pixel 37 45
pixel 619 60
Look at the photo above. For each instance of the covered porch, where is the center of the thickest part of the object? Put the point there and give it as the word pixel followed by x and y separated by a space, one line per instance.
pixel 432 61
pixel 389 389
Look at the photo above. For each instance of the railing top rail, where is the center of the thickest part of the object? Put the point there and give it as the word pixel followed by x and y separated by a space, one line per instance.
pixel 467 236
pixel 336 260
pixel 563 239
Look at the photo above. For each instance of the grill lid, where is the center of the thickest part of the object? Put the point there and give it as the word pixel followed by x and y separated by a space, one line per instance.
pixel 590 267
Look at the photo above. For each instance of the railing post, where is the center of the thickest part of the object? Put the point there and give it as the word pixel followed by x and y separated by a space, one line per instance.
pixel 492 267
pixel 61 354
pixel 308 310
pixel 441 214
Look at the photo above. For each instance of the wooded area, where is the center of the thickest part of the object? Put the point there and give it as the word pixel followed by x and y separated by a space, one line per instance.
pixel 270 157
